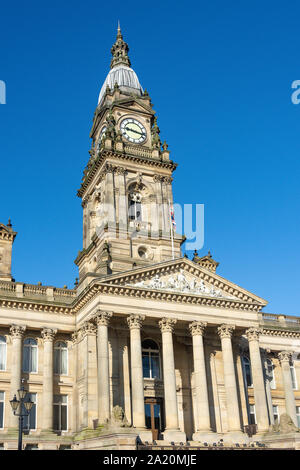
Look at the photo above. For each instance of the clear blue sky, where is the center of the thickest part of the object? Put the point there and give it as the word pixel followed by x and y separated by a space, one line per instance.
pixel 219 75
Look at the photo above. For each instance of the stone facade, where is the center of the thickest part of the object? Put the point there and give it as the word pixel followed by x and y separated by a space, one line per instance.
pixel 149 345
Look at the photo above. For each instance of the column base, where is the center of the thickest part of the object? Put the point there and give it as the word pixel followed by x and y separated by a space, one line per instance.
pixel 205 436
pixel 232 437
pixel 174 435
pixel 144 434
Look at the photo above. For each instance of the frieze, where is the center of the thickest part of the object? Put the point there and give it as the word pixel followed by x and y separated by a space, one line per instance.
pixel 181 283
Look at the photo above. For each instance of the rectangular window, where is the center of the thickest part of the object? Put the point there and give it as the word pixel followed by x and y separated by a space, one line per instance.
pixel 252 417
pixel 29 421
pixel 298 415
pixel 60 412
pixel 275 414
pixel 2 397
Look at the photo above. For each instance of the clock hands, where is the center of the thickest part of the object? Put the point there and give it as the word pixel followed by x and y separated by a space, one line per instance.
pixel 135 131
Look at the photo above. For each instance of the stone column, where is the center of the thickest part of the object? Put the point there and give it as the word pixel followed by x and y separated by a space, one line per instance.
pixel 17 333
pixel 285 358
pixel 172 432
pixel 102 319
pixel 260 400
pixel 268 387
pixel 203 417
pixel 48 336
pixel 88 354
pixel 233 415
pixel 137 379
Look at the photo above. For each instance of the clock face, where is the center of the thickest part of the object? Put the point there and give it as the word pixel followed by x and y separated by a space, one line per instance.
pixel 133 131
pixel 101 137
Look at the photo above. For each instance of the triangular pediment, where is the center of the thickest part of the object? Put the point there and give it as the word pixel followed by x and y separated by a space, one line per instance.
pixel 183 277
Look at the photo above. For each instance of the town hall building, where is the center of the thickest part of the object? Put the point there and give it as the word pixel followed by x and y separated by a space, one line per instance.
pixel 150 348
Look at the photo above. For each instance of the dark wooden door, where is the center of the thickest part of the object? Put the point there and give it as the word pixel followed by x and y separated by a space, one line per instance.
pixel 153 415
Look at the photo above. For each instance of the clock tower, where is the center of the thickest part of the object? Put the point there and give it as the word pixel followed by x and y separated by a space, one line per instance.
pixel 126 189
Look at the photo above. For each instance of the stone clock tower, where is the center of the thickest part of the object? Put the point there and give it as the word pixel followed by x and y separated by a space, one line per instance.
pixel 126 189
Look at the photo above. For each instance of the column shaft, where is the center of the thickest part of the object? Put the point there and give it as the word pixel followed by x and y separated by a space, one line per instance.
pixel 203 415
pixel 102 319
pixel 17 333
pixel 48 336
pixel 290 405
pixel 260 399
pixel 137 380
pixel 233 415
pixel 171 406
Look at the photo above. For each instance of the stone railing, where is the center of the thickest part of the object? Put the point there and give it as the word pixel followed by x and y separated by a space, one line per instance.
pixel 138 151
pixel 7 286
pixel 285 321
pixel 36 291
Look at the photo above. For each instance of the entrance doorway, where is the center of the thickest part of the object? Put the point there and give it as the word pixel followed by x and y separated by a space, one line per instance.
pixel 153 415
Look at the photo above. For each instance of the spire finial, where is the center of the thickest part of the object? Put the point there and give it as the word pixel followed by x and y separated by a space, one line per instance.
pixel 119 51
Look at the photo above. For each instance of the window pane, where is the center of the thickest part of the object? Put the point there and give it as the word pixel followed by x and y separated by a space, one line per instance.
pixel 56 361
pixel 2 352
pixel 29 421
pixel 146 365
pixel 64 361
pixel 1 414
pixel 56 417
pixel 148 415
pixel 293 375
pixel 64 425
pixel 33 365
pixel 155 372
pixel 25 359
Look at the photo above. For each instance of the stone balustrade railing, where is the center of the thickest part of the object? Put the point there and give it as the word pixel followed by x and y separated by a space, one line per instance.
pixel 287 321
pixel 18 289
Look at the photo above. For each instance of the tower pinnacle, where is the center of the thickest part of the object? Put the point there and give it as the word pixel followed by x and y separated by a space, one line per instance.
pixel 119 51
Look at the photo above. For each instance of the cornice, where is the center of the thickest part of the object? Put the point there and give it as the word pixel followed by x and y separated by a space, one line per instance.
pixel 280 333
pixel 100 161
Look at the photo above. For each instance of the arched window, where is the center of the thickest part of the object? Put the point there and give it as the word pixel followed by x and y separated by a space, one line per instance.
pixel 30 355
pixel 270 373
pixel 2 352
pixel 135 206
pixel 60 358
pixel 247 371
pixel 151 362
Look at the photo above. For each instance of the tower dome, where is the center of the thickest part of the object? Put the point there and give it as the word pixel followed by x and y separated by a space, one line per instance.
pixel 121 72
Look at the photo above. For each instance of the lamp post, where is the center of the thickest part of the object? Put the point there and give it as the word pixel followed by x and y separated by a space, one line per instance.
pixel 21 408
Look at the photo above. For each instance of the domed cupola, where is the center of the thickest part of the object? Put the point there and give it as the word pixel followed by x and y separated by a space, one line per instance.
pixel 121 72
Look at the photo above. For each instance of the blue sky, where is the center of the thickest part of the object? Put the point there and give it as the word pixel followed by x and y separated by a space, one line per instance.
pixel 219 75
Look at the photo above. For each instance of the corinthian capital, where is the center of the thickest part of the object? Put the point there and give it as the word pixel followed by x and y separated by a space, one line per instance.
pixel 167 324
pixel 225 331
pixel 48 334
pixel 88 328
pixel 285 356
pixel 197 328
pixel 103 318
pixel 135 321
pixel 253 334
pixel 17 331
